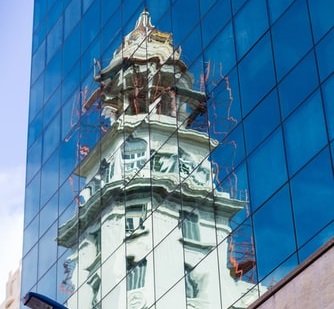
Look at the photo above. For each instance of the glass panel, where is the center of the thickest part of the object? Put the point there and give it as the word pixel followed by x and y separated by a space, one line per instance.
pixel 262 121
pixel 49 180
pixel 38 62
pixel 90 25
pixel 305 133
pixel 256 74
pixel 51 137
pixel 71 50
pixel 167 259
pixel 324 55
pixel 276 8
pixel 35 129
pixel 54 39
pixel 29 270
pixel 273 223
pixel 47 285
pixel 47 251
pixel 32 199
pixel 291 43
pixel 34 159
pixel 48 214
pixel 72 16
pixel 315 177
pixel 36 97
pixel 52 75
pixel 250 24
pixel 298 84
pixel 321 17
pixel 328 93
pixel 219 57
pixel 31 235
pixel 214 21
pixel 267 169
pixel 107 8
pixel 51 107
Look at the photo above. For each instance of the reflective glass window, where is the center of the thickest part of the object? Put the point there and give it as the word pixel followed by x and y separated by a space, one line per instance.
pixel 51 107
pixel 86 4
pixel 236 4
pixel 29 270
pixel 32 199
pixel 267 169
pixel 40 9
pixel 51 137
pixel 291 37
pixel 112 26
pixel 87 60
pixel 321 17
pixel 47 285
pixel 35 129
pixel 31 235
pixel 39 36
pixel 47 252
pixel 324 52
pixel 71 50
pixel 250 24
pixel 90 25
pixel 273 232
pixel 54 13
pixel 298 84
pixel 48 214
pixel 70 84
pixel 36 97
pixel 276 8
pixel 256 73
pixel 34 159
pixel 305 133
pixel 183 23
pixel 328 94
pixel 107 8
pixel 49 180
pixel 215 20
pixel 54 39
pixel 53 75
pixel 312 197
pixel 219 56
pixel 38 62
pixel 262 121
pixel 72 16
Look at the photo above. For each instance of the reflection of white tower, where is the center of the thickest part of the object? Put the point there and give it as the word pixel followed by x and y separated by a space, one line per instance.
pixel 148 220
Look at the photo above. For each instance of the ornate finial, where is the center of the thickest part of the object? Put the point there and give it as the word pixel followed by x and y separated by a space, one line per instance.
pixel 144 21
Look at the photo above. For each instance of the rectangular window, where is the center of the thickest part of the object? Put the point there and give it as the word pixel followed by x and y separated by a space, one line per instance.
pixel 136 274
pixel 190 226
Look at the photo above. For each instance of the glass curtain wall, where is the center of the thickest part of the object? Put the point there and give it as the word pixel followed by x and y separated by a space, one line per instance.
pixel 180 152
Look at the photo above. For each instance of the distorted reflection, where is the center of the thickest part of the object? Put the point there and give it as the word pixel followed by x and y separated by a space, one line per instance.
pixel 148 213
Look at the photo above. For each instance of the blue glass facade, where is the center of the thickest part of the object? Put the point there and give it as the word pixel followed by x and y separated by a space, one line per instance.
pixel 266 69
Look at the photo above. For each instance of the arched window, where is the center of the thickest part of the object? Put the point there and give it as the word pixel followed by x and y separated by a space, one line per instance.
pixel 134 153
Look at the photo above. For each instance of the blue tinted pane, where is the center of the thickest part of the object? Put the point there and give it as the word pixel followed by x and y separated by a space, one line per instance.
pixel 29 269
pixel 47 285
pixel 325 51
pixel 51 107
pixel 38 62
pixel 51 137
pixel 54 14
pixel 47 250
pixel 273 223
pixel 183 23
pixel 267 169
pixel 107 8
pixel 35 129
pixel 328 93
pixel 291 37
pixel 219 56
pixel 321 17
pixel 70 84
pixel 87 59
pixel 53 75
pixel 71 50
pixel 40 9
pixel 36 97
pixel 236 4
pixel 39 36
pixel 30 235
pixel 34 159
pixel 305 133
pixel 49 180
pixel 276 8
pixel 32 199
pixel 90 25
pixel 54 39
pixel 298 84
pixel 312 197
pixel 48 214
pixel 215 20
pixel 72 16
pixel 262 121
pixel 250 24
pixel 86 4
pixel 113 26
pixel 256 74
